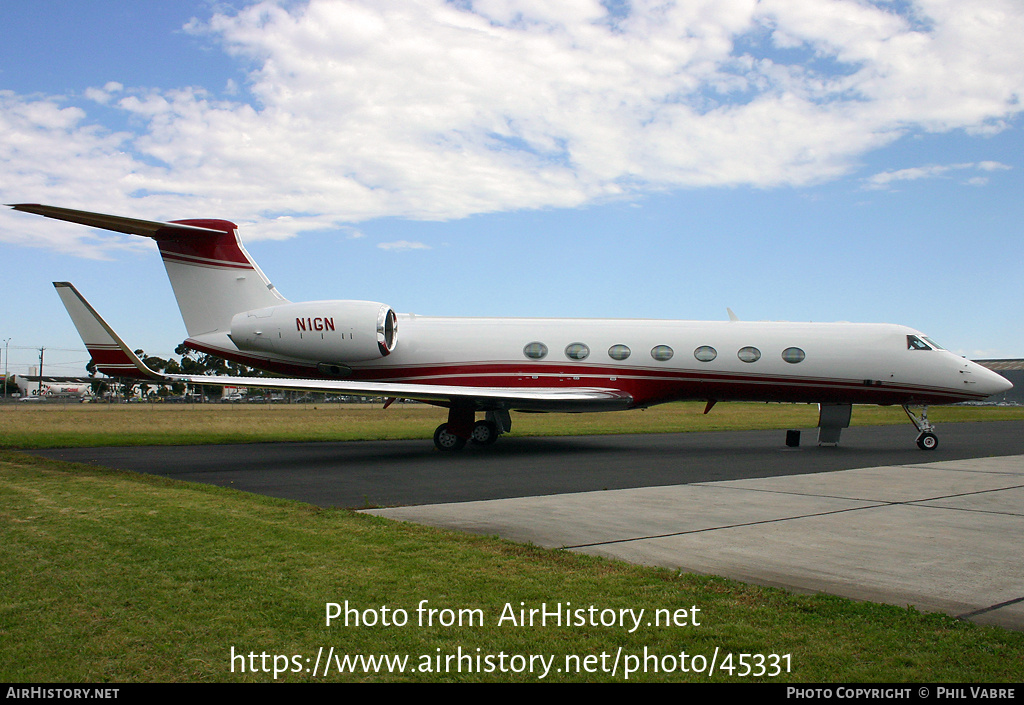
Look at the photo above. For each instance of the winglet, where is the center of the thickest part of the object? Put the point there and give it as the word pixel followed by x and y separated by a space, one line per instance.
pixel 109 353
pixel 732 316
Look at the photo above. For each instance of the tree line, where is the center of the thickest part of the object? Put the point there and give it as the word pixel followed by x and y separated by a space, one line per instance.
pixel 190 362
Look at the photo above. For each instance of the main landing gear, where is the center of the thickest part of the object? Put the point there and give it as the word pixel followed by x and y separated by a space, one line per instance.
pixel 462 427
pixel 926 439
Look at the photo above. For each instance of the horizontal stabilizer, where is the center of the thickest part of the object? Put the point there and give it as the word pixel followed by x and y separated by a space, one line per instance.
pixel 131 226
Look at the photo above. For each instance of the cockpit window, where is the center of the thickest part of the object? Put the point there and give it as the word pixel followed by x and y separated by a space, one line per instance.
pixel 915 343
pixel 933 344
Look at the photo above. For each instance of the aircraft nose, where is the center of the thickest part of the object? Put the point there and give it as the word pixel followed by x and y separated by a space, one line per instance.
pixel 990 382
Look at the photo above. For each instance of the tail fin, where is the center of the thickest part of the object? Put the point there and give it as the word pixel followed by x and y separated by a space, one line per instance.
pixel 109 353
pixel 212 275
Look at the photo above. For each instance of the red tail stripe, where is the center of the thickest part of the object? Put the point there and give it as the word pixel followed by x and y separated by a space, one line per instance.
pixel 220 249
pixel 204 262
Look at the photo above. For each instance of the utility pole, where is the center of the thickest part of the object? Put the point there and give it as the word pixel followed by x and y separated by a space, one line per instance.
pixel 39 389
pixel 7 360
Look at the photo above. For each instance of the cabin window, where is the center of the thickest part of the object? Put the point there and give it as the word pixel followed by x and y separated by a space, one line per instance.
pixel 749 354
pixel 618 352
pixel 577 351
pixel 915 343
pixel 793 355
pixel 705 353
pixel 536 351
pixel 662 353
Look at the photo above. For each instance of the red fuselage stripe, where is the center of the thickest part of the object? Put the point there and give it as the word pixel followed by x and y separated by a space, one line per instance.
pixel 646 386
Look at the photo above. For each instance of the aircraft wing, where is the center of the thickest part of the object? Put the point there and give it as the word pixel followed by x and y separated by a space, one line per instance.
pixel 113 357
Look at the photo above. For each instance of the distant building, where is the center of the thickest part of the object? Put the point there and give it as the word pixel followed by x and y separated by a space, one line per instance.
pixel 54 387
pixel 1013 370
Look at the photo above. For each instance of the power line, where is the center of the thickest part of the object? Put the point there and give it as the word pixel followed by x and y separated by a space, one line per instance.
pixel 36 347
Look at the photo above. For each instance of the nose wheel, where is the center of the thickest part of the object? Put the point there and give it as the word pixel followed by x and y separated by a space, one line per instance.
pixel 926 439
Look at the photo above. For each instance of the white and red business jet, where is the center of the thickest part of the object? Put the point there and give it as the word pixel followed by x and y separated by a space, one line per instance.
pixel 498 365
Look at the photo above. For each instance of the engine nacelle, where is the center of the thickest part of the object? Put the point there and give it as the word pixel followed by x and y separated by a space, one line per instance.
pixel 322 331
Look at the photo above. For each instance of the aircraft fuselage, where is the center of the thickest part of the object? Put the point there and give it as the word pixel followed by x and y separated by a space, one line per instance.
pixel 654 361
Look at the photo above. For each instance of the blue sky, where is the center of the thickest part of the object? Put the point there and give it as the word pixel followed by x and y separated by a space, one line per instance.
pixel 801 160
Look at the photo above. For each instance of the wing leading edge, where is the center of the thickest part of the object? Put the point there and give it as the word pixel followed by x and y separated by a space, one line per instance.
pixel 113 357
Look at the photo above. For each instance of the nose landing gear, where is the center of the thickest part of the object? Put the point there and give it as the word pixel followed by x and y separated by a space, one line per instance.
pixel 926 439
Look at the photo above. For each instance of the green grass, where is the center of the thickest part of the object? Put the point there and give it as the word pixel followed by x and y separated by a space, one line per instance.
pixel 119 577
pixel 71 425
pixel 110 576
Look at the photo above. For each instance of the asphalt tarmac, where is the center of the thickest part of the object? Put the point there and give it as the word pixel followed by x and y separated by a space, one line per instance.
pixel 390 473
pixel 874 518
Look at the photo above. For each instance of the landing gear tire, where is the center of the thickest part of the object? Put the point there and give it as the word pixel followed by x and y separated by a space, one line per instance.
pixel 447 441
pixel 927 441
pixel 484 433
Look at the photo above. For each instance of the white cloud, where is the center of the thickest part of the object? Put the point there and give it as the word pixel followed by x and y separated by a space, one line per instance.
pixel 884 179
pixel 436 110
pixel 993 166
pixel 402 245
pixel 105 94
